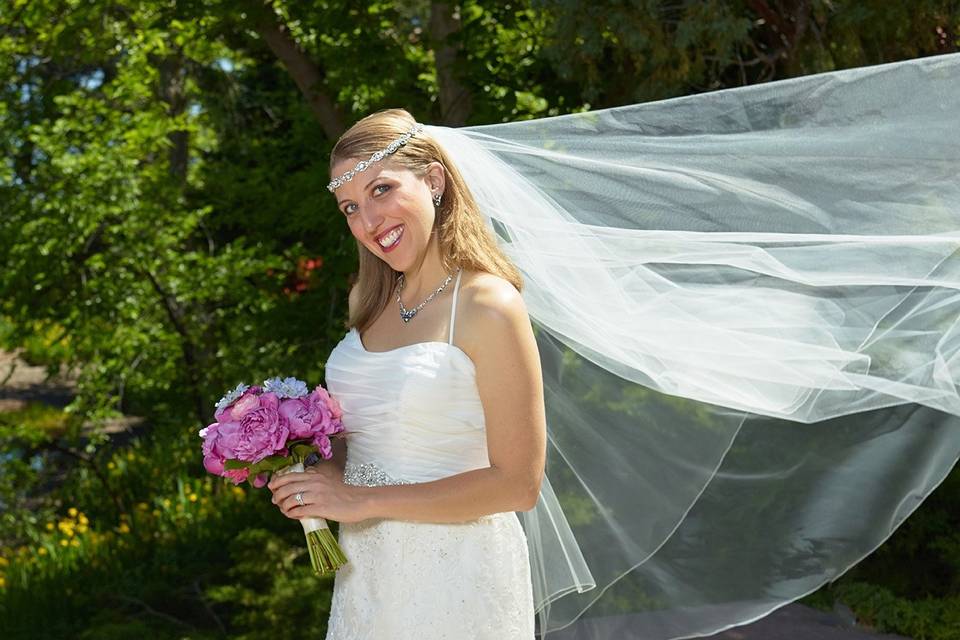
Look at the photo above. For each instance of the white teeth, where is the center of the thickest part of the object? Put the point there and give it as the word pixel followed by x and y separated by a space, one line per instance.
pixel 390 238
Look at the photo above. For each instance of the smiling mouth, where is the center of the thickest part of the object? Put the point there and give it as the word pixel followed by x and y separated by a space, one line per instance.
pixel 390 240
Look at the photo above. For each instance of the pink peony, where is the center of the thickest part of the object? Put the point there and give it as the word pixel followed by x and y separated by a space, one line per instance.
pixel 247 401
pixel 219 445
pixel 335 411
pixel 301 415
pixel 322 443
pixel 328 410
pixel 262 432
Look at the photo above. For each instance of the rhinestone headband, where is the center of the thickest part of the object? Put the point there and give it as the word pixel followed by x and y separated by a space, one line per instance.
pixel 363 165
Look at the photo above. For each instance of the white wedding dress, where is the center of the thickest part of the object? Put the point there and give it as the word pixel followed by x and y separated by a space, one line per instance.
pixel 413 414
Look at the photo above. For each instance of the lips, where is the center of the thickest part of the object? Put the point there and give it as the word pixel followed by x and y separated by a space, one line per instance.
pixel 389 232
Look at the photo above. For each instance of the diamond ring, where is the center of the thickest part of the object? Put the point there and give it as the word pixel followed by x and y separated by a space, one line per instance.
pixel 299 498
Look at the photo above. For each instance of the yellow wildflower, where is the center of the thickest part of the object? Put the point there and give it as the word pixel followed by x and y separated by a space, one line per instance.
pixel 3 582
pixel 193 497
pixel 83 519
pixel 81 528
pixel 123 528
pixel 74 543
pixel 72 511
pixel 3 561
pixel 49 526
pixel 42 551
pixel 166 502
pixel 64 542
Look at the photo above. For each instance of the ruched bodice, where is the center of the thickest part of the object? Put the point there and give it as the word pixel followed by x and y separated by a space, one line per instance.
pixel 413 414
pixel 413 411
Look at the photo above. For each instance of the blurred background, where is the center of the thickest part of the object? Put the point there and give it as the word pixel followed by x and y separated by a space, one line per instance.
pixel 165 233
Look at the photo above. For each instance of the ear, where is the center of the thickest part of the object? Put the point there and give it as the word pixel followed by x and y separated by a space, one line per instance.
pixel 436 177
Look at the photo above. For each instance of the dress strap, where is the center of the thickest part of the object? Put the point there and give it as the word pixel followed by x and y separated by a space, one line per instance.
pixel 453 307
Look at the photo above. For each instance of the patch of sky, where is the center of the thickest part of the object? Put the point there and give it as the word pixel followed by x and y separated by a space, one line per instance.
pixel 92 81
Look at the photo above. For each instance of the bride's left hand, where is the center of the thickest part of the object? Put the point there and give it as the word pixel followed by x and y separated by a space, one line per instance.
pixel 325 495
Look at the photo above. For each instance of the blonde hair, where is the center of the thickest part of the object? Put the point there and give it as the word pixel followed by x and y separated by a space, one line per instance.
pixel 463 238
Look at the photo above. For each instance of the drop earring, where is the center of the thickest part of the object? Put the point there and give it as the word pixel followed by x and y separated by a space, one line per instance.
pixel 436 200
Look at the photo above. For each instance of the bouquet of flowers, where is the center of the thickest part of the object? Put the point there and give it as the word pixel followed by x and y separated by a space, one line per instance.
pixel 275 428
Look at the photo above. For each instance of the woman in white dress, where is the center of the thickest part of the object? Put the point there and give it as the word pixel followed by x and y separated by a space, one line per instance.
pixel 440 383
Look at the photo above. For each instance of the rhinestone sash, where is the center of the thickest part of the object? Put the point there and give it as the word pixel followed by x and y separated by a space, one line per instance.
pixel 368 474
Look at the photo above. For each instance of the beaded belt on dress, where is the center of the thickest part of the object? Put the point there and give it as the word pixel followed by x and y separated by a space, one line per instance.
pixel 368 474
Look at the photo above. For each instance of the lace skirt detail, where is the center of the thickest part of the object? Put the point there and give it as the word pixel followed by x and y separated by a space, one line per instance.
pixel 426 581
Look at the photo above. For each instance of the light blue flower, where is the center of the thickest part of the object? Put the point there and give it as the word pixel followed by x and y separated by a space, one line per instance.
pixel 228 399
pixel 286 388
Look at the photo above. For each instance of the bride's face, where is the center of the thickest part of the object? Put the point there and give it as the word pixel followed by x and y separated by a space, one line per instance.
pixel 390 210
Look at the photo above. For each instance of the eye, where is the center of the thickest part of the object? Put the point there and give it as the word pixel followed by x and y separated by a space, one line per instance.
pixel 350 208
pixel 381 188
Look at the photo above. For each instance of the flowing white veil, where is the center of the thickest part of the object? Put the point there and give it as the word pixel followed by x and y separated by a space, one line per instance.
pixel 747 305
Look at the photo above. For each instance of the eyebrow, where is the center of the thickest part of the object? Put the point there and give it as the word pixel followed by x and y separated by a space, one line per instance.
pixel 339 202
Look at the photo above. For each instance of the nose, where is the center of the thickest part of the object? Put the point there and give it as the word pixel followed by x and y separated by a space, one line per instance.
pixel 371 217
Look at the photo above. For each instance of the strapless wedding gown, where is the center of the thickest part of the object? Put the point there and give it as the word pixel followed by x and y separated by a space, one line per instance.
pixel 413 414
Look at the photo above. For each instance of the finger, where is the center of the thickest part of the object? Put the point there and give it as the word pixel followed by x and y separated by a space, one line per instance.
pixel 291 508
pixel 287 490
pixel 288 495
pixel 287 478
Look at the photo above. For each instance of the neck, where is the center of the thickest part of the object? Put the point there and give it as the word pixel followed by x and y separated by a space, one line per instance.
pixel 423 278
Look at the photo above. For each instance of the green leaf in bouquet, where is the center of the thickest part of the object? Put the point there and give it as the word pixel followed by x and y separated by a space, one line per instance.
pixel 235 464
pixel 271 464
pixel 301 450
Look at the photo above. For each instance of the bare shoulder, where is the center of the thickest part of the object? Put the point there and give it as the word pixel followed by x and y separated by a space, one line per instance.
pixel 495 310
pixel 493 298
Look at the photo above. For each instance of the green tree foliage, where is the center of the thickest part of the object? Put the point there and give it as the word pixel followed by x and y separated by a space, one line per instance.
pixel 165 233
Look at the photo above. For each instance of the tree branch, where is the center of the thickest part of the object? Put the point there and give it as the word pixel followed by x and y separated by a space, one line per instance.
pixel 305 73
pixel 190 357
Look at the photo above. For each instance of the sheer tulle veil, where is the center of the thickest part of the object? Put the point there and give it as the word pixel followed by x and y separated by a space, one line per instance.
pixel 747 305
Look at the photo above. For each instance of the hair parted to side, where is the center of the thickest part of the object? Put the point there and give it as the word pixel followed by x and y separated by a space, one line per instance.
pixel 463 238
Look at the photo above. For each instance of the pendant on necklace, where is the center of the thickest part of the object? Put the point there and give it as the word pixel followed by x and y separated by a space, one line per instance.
pixel 407 314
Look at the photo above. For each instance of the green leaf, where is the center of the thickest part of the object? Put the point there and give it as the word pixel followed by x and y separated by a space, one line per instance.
pixel 236 464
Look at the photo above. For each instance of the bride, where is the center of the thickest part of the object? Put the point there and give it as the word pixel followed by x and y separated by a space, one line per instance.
pixel 728 374
pixel 441 389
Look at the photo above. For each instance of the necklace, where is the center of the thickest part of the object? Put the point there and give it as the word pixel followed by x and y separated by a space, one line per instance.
pixel 406 314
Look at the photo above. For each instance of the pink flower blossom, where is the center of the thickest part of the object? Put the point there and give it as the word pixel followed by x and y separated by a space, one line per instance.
pixel 262 432
pixel 328 409
pixel 236 475
pixel 335 411
pixel 220 445
pixel 322 443
pixel 300 416
pixel 238 407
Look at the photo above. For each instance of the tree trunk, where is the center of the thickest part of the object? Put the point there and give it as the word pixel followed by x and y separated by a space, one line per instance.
pixel 456 102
